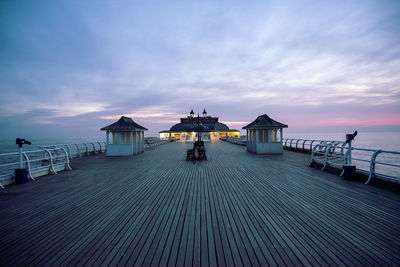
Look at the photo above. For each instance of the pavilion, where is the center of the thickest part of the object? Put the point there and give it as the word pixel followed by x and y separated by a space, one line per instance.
pixel 264 135
pixel 127 137
pixel 186 130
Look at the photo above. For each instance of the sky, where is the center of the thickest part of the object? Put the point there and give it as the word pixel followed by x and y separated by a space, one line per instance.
pixel 68 68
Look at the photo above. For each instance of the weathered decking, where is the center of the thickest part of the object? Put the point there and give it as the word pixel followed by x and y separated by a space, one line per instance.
pixel 236 209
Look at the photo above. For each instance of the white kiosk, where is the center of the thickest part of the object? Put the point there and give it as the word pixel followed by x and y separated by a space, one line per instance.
pixel 127 137
pixel 264 136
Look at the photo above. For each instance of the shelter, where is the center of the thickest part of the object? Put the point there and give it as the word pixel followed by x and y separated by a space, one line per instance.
pixel 264 136
pixel 127 137
pixel 186 130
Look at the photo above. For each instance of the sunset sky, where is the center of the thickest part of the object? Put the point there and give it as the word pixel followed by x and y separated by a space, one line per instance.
pixel 68 68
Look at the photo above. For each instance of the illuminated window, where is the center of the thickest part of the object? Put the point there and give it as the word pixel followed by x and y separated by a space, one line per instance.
pixel 273 135
pixel 115 137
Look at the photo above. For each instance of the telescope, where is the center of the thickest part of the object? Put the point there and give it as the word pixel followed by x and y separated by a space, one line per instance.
pixel 350 137
pixel 21 142
pixel 20 174
pixel 349 171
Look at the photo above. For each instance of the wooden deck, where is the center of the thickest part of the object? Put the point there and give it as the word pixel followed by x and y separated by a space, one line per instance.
pixel 236 209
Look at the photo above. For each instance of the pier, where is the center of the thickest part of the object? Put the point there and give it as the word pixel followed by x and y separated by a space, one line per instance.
pixel 235 209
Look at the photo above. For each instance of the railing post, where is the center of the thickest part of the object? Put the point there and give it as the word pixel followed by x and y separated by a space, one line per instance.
pixel 66 158
pixel 87 149
pixel 290 144
pixel 312 157
pixel 77 148
pixel 302 147
pixel 372 165
pixel 28 165
pixel 94 148
pixel 296 144
pixel 100 150
pixel 51 162
pixel 326 157
pixel 311 148
pixel 69 150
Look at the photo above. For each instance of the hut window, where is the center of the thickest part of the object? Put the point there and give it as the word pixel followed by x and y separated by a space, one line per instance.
pixel 123 138
pixel 115 137
pixel 127 138
pixel 260 136
pixel 273 135
pixel 266 136
pixel 278 135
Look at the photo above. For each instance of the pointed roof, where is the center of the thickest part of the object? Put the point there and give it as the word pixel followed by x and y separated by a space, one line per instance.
pixel 264 121
pixel 124 124
pixel 204 111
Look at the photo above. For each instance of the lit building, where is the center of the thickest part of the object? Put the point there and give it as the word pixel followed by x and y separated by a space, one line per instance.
pixel 186 130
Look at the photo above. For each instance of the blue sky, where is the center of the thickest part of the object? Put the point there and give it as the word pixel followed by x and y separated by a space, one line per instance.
pixel 69 68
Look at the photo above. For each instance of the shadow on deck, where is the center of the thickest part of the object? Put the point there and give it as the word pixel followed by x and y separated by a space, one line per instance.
pixel 236 209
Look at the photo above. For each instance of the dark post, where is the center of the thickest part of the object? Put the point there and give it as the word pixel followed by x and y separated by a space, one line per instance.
pixel 349 171
pixel 20 174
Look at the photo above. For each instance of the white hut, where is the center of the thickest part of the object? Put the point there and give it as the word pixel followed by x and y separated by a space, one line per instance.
pixel 127 137
pixel 264 136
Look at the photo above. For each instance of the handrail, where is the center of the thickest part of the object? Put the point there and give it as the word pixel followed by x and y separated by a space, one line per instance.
pixel 154 141
pixel 235 140
pixel 327 155
pixel 294 144
pixel 49 159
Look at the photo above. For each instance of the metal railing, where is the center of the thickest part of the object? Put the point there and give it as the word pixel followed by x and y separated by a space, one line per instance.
pixel 302 145
pixel 155 141
pixel 234 140
pixel 372 162
pixel 49 159
pixel 78 150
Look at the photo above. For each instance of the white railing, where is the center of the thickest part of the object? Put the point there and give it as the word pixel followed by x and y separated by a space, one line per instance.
pixel 383 164
pixel 78 150
pixel 155 141
pixel 301 145
pixel 234 140
pixel 49 159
